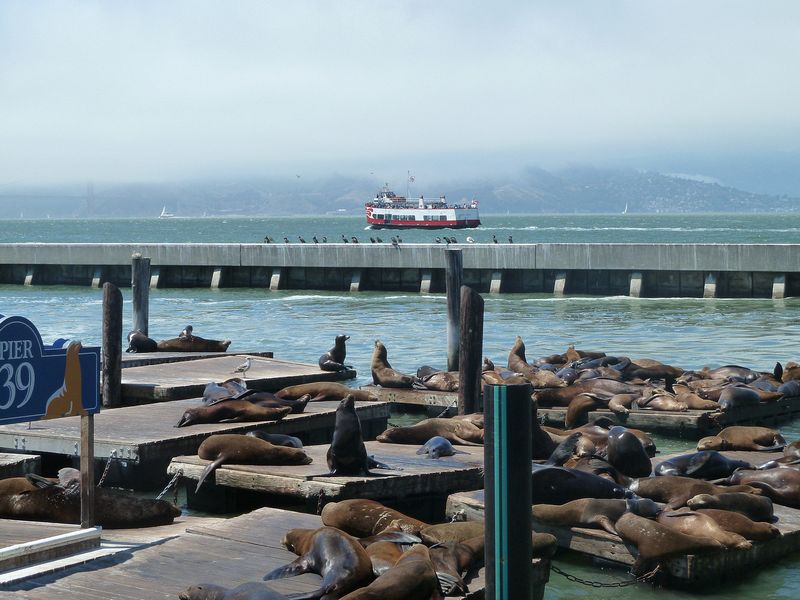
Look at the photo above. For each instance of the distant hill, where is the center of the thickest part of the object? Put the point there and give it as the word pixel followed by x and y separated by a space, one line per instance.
pixel 574 190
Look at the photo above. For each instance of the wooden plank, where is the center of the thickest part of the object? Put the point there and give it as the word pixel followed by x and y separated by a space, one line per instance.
pixel 148 432
pixel 419 399
pixel 17 465
pixel 187 379
pixel 18 532
pixel 412 474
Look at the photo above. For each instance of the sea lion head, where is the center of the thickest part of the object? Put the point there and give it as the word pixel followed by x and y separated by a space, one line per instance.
pixel 347 403
pixel 341 339
pixel 712 442
pixel 644 507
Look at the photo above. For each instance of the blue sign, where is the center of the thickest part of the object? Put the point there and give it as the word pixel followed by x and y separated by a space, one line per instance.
pixel 44 382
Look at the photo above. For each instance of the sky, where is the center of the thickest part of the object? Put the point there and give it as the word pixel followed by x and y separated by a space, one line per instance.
pixel 166 91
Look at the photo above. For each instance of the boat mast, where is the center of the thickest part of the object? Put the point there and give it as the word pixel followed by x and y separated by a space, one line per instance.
pixel 409 181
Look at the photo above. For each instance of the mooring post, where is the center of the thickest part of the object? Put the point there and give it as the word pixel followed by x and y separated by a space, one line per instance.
pixel 140 291
pixel 87 471
pixel 470 352
pixel 112 345
pixel 454 274
pixel 507 485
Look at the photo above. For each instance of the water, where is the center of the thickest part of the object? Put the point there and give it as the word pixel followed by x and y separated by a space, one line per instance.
pixel 686 332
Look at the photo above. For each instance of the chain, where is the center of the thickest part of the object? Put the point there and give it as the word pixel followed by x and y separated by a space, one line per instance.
pixel 320 502
pixel 598 584
pixel 444 412
pixel 459 515
pixel 172 482
pixel 111 458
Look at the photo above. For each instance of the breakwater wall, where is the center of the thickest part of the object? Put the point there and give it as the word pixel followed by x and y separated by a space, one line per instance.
pixel 654 270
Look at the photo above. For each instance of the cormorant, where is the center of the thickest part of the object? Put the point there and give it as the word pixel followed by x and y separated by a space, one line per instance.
pixel 354 239
pixel 285 240
pixel 316 241
pixel 302 241
pixel 344 239
pixel 510 240
pixel 494 238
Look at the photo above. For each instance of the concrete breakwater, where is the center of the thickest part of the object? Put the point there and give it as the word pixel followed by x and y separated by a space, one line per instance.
pixel 654 270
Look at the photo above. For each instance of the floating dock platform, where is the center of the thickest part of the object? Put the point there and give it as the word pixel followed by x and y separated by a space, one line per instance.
pixel 141 359
pixel 430 401
pixel 144 438
pixel 18 465
pixel 413 477
pixel 695 568
pixel 158 382
pixel 238 550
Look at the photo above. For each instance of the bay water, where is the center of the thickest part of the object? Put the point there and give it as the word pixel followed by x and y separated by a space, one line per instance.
pixel 296 325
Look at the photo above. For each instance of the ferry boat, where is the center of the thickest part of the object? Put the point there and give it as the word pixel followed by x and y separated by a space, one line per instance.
pixel 390 211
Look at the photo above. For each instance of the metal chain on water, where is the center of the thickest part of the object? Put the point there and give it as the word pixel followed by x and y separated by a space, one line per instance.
pixel 172 482
pixel 600 584
pixel 444 412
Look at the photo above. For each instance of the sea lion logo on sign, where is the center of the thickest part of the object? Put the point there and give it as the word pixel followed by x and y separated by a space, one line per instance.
pixel 44 382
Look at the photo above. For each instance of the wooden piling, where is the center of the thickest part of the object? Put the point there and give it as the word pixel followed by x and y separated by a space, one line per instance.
pixel 112 345
pixel 454 275
pixel 470 351
pixel 140 291
pixel 507 460
pixel 87 471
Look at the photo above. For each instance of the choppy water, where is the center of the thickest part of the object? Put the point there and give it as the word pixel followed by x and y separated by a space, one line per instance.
pixel 686 332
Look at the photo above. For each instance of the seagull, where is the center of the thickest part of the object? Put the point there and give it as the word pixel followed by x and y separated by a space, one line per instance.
pixel 344 239
pixel 242 368
pixel 324 239
pixel 186 333
pixel 302 241
pixel 494 238
pixel 470 240
pixel 316 241
pixel 354 239
pixel 267 239
pixel 285 240
pixel 438 240
pixel 510 240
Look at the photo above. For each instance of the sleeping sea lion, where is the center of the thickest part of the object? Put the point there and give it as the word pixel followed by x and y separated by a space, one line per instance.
pixel 743 437
pixel 594 512
pixel 627 454
pixel 456 431
pixel 252 590
pixel 231 411
pixel 325 390
pixel 675 491
pixel 706 464
pixel 382 372
pixel 757 508
pixel 738 523
pixel 192 344
pixel 697 524
pixel 413 576
pixel 277 439
pixel 362 518
pixel 139 342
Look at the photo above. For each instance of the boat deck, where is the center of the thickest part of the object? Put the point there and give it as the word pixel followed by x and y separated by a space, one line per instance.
pixel 160 381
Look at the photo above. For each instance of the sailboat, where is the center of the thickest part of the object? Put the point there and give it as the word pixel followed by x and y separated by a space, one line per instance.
pixel 625 210
pixel 164 214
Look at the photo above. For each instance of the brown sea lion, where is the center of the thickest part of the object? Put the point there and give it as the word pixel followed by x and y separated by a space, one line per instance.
pixel 332 554
pixel 782 484
pixel 277 439
pixel 661 401
pixel 494 376
pixel 383 556
pixel 593 512
pixel 676 491
pixel 695 402
pixel 457 531
pixel 597 432
pixel 738 523
pixel 192 344
pixel 539 378
pixel 333 359
pixel 456 431
pixel 599 386
pixel 61 503
pixel 655 542
pixel 452 559
pixel 252 590
pixel 694 523
pixel 382 372
pixel 139 342
pixel 226 448
pixel 362 518
pixel 325 390
pixel 231 411
pixel 627 454
pixel 68 399
pixel 441 381
pixel 475 418
pixel 413 577
pixel 744 437
pixel 15 485
pixel 757 508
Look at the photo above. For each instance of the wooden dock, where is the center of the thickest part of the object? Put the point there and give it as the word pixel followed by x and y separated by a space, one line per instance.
pixel 146 435
pixel 158 382
pixel 691 424
pixel 414 476
pixel 141 359
pixel 689 568
pixel 17 465
pixel 226 552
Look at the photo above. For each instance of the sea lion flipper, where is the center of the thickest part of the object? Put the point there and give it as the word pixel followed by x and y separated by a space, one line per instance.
pixel 210 467
pixel 451 585
pixel 39 481
pixel 605 523
pixel 298 566
pixel 375 464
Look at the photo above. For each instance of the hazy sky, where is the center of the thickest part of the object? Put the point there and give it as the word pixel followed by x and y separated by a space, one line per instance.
pixel 170 90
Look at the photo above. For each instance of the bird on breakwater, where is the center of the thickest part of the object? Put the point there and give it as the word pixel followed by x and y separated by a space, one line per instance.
pixel 399 241
pixel 315 240
pixel 344 239
pixel 372 239
pixel 510 240
pixel 470 240
pixel 324 239
pixel 379 240
pixel 285 240
pixel 494 238
pixel 395 243
pixel 453 240
pixel 186 333
pixel 438 240
pixel 242 368
pixel 267 239
pixel 300 237
pixel 446 240
pixel 354 239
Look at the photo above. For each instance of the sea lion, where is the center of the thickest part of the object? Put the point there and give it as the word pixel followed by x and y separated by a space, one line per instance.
pixel 451 559
pixel 598 466
pixel 429 378
pixel 626 453
pixel 600 387
pixel 347 454
pixel 277 439
pixel 139 342
pixel 383 556
pixel 193 344
pixel 675 490
pixel 252 590
pixel 231 411
pixel 245 450
pixel 325 390
pixel 697 524
pixel 738 523
pixel 438 446
pixel 67 400
pixel 706 464
pixel 757 508
pixel 456 531
pixel 333 359
pixel 332 554
pixel 655 542
pixel 382 372
pixel 735 396
pixel 782 484
pixel 15 485
pixel 475 418
pixel 539 378
pixel 557 485
pixel 593 512
pixel 661 401
pixel 743 437
pixel 412 577
pixel 456 431
pixel 61 503
pixel 363 518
